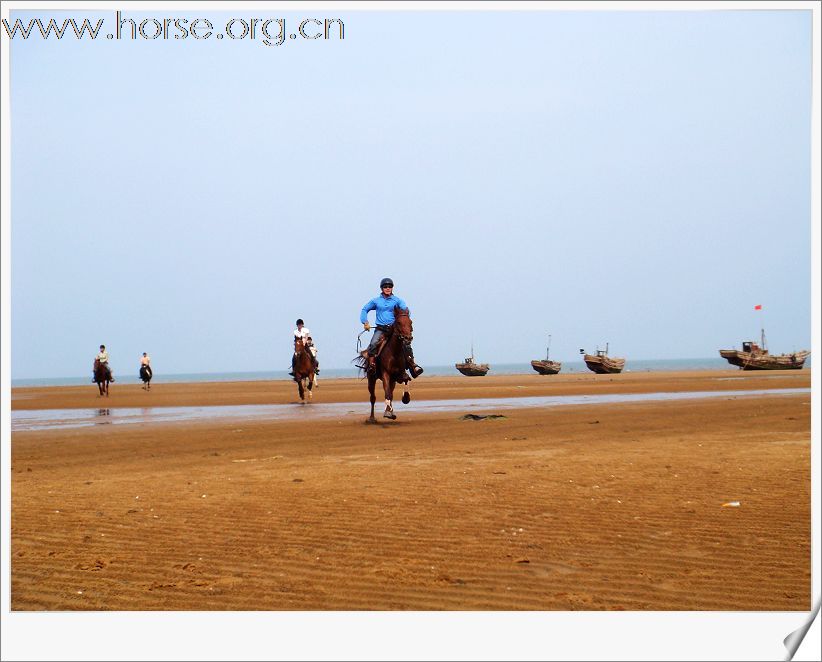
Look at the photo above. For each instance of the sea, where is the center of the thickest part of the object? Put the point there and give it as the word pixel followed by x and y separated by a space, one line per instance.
pixel 568 367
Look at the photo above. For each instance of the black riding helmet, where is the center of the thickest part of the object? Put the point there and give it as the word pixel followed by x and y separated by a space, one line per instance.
pixel 300 322
pixel 386 282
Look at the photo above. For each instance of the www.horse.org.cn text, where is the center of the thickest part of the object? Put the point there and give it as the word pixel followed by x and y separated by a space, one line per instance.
pixel 268 31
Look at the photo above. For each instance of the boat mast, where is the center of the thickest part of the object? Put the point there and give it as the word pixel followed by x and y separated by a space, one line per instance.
pixel 761 328
pixel 548 349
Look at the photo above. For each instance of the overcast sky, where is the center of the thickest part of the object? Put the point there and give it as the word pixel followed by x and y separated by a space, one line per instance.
pixel 636 178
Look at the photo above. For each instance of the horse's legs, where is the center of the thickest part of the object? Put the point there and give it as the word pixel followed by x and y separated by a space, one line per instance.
pixel 310 386
pixel 301 390
pixel 372 383
pixel 388 384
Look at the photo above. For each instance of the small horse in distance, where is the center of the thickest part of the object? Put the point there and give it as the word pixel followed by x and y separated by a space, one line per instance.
pixel 303 370
pixel 101 377
pixel 391 365
pixel 146 374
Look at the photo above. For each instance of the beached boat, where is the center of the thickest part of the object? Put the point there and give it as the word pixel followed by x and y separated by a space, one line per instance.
pixel 471 369
pixel 603 364
pixel 546 366
pixel 757 357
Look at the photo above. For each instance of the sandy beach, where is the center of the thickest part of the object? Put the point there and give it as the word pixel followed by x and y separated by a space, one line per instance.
pixel 588 507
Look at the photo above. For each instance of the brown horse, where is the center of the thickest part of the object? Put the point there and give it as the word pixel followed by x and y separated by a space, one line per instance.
pixel 303 369
pixel 391 365
pixel 101 376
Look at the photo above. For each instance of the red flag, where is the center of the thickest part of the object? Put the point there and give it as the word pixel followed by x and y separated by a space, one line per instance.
pixel 758 307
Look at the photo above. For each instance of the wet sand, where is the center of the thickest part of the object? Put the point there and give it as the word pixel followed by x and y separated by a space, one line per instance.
pixel 591 507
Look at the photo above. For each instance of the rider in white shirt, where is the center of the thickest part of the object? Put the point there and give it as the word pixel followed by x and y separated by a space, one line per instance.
pixel 102 357
pixel 302 333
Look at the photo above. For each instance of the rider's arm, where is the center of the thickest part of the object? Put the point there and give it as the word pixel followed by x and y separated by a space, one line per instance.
pixel 371 305
pixel 401 303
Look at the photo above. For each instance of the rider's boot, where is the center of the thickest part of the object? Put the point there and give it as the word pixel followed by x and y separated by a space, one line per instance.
pixel 414 369
pixel 372 363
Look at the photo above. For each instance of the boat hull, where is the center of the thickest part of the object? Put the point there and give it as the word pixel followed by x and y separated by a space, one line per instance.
pixel 751 361
pixel 604 365
pixel 546 367
pixel 474 370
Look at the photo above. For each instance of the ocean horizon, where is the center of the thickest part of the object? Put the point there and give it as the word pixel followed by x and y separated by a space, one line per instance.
pixel 575 367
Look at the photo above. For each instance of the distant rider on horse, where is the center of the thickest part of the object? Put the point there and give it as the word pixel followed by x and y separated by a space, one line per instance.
pixel 102 357
pixel 384 305
pixel 145 366
pixel 302 333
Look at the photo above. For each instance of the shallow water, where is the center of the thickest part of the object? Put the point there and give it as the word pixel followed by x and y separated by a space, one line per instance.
pixel 61 419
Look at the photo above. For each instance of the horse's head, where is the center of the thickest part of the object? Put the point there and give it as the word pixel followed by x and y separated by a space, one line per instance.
pixel 299 345
pixel 402 324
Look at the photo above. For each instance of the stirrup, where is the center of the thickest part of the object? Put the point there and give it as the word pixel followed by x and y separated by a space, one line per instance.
pixel 416 371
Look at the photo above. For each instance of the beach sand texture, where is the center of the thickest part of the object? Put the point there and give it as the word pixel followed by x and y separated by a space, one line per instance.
pixel 591 507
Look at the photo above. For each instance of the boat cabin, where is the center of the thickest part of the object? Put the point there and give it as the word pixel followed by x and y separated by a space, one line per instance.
pixel 752 347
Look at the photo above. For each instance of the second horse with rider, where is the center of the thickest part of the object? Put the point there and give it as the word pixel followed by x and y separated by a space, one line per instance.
pixel 302 333
pixel 384 305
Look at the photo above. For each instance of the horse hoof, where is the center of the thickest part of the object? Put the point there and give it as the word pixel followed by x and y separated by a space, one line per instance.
pixel 370 421
pixel 406 398
pixel 390 415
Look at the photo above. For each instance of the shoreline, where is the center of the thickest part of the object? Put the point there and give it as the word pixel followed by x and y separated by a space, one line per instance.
pixel 346 389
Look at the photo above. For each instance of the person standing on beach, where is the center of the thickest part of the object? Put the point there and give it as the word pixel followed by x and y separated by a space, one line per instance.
pixel 302 333
pixel 384 305
pixel 102 357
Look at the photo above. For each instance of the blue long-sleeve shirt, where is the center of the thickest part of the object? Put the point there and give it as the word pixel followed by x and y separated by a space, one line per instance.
pixel 384 307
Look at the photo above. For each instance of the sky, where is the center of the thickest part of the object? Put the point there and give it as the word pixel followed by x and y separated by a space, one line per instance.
pixel 641 179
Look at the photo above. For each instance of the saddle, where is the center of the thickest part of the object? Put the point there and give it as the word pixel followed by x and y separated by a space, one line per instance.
pixel 386 336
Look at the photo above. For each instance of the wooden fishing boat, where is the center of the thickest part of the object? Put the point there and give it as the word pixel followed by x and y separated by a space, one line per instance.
pixel 755 356
pixel 470 368
pixel 546 366
pixel 603 364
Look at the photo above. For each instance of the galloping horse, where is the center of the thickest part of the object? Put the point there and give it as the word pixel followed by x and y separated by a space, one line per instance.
pixel 101 377
pixel 303 369
pixel 391 365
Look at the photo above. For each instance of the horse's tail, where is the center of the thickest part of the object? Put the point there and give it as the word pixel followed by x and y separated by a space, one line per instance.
pixel 360 362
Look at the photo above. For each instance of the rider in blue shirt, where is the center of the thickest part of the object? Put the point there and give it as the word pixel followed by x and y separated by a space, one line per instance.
pixel 384 305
